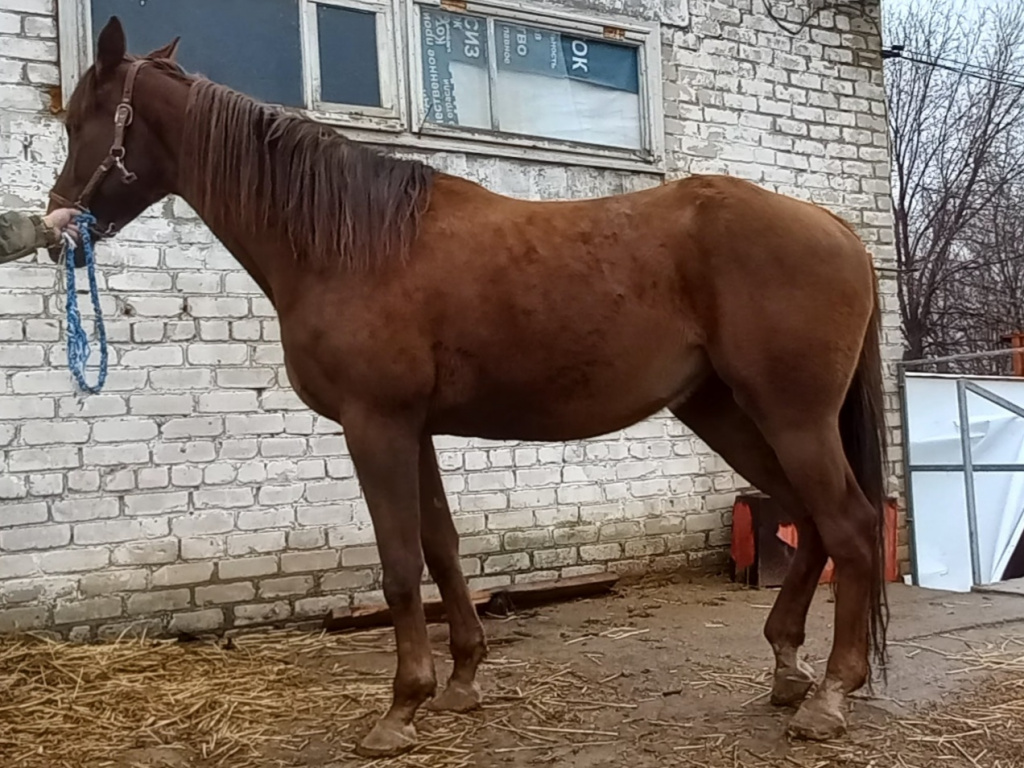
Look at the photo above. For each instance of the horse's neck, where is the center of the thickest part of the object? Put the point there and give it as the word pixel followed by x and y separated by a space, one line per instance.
pixel 254 251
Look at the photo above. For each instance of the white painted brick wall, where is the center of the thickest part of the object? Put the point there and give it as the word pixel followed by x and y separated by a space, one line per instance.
pixel 197 492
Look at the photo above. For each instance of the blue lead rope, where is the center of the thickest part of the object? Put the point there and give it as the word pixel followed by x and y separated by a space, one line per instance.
pixel 78 341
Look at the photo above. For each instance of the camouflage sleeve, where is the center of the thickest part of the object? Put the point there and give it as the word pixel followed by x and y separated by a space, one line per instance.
pixel 21 235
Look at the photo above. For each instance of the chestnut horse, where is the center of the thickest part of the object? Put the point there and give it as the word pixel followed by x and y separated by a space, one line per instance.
pixel 413 303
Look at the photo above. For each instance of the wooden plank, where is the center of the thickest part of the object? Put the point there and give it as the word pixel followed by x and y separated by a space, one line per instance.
pixel 515 597
pixel 499 602
pixel 379 615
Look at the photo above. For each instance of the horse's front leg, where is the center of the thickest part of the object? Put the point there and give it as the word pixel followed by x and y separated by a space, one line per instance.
pixel 385 450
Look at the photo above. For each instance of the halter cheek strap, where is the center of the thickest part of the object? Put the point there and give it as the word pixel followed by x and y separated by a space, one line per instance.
pixel 123 116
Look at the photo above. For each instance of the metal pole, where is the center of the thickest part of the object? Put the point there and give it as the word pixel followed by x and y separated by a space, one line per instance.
pixel 968 459
pixel 908 473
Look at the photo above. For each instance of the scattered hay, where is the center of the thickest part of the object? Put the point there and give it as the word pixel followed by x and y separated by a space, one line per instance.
pixel 255 700
pixel 281 699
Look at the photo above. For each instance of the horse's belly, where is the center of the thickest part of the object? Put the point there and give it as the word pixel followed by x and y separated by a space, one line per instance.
pixel 565 399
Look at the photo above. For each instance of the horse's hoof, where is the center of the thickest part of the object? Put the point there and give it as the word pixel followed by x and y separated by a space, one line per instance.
pixel 457 697
pixel 791 684
pixel 815 721
pixel 387 739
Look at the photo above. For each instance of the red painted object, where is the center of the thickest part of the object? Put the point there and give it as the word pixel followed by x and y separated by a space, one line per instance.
pixel 760 558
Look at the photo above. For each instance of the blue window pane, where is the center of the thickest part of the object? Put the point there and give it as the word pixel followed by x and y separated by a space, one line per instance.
pixel 253 46
pixel 348 56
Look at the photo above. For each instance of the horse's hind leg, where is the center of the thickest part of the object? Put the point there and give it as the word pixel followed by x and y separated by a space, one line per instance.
pixel 816 464
pixel 441 548
pixel 715 417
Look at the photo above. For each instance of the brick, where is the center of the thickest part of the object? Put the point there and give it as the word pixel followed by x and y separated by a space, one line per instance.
pixel 261 613
pixel 247 568
pixel 224 498
pixel 661 525
pixel 475 545
pixel 195 622
pixel 619 531
pixel 219 594
pixel 108 455
pixel 181 573
pixel 287 586
pixel 256 543
pixel 73 560
pixel 600 551
pixel 203 547
pixel 198 426
pixel 306 538
pixel 347 581
pixel 161 405
pixel 46 485
pixel 156 503
pixel 156 602
pixel 153 477
pixel 703 522
pixel 76 509
pixel 111 582
pixel 203 523
pixel 554 558
pixel 23 619
pixel 35 537
pixel 145 552
pixel 516 561
pixel 528 540
pixel 124 430
pixel 116 531
pixel 83 611
pixel 299 562
pixel 23 514
pixel 39 460
pixel 357 556
pixel 136 628
pixel 318 606
pixel 577 535
pixel 260 519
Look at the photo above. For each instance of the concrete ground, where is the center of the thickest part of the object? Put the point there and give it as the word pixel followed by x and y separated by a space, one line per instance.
pixel 685 664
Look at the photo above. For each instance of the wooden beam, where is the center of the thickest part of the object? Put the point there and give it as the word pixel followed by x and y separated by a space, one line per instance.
pixel 500 601
pixel 517 597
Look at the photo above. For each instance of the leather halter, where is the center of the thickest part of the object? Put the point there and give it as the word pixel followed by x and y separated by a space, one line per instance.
pixel 123 116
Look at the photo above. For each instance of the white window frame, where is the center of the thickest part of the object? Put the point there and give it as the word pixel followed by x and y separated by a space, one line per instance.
pixel 645 36
pixel 391 115
pixel 76 55
pixel 399 122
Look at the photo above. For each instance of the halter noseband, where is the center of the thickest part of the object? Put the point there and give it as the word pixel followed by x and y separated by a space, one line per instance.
pixel 123 116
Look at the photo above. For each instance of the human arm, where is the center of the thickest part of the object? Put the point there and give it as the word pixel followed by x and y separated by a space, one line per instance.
pixel 21 234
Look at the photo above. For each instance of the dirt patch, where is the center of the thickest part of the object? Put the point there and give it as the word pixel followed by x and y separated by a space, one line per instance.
pixel 664 674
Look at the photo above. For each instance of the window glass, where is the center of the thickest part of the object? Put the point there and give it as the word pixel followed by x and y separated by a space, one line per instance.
pixel 548 84
pixel 570 88
pixel 456 82
pixel 348 56
pixel 253 46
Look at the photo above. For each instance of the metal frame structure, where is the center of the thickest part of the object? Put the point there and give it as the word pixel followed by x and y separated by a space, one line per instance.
pixel 967 466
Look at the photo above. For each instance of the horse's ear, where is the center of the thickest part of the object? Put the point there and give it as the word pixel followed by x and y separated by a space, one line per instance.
pixel 169 51
pixel 111 47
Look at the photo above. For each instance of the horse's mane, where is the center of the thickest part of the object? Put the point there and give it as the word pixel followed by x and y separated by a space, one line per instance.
pixel 336 201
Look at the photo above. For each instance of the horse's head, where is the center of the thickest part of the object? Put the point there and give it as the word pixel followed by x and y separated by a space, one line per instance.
pixel 117 165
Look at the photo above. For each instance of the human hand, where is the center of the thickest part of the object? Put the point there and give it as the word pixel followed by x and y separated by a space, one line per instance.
pixel 60 221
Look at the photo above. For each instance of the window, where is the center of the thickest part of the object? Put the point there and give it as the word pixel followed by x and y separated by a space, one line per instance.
pixel 485 76
pixel 335 58
pixel 524 79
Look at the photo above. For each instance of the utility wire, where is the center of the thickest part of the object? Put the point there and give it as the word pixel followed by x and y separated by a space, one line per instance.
pixel 951 65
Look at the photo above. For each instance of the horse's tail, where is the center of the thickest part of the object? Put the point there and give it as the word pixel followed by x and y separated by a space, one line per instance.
pixel 862 426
